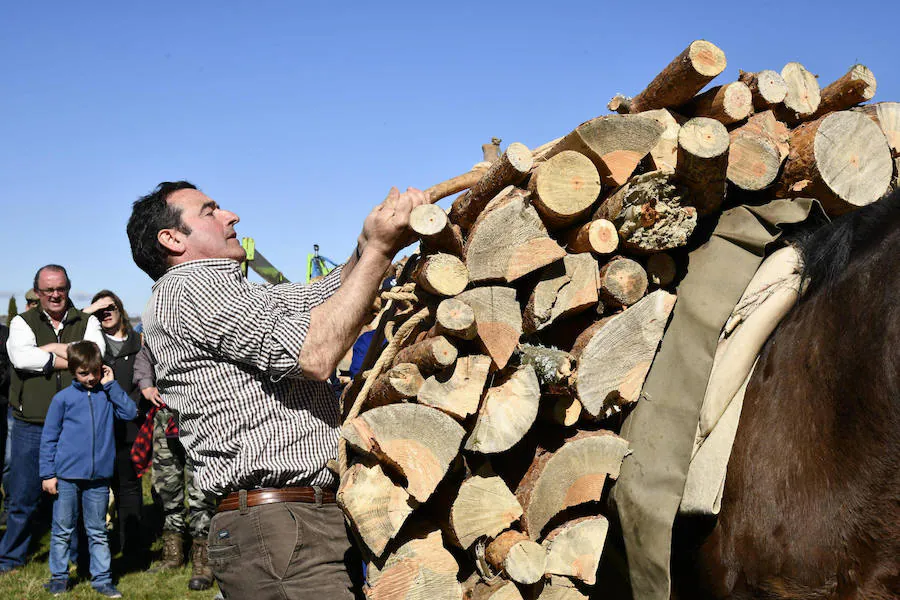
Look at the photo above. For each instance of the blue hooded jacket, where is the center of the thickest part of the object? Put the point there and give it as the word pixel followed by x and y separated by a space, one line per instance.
pixel 77 441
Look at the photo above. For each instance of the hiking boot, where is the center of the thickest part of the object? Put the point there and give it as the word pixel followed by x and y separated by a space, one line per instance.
pixel 173 552
pixel 57 587
pixel 201 574
pixel 108 591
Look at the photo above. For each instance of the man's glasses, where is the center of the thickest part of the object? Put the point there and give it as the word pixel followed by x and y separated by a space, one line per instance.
pixel 56 290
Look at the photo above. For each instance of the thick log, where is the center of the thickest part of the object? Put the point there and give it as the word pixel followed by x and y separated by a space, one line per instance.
pixel 572 475
pixel 765 123
pixel 842 159
pixel 441 274
pixel 523 560
pixel 459 395
pixel 484 506
pixel 420 569
pixel 430 355
pixel 400 382
pixel 456 319
pixel 680 81
pixel 664 155
pixel 855 87
pixel 614 363
pixel 622 282
pixel 512 168
pixel 561 410
pixel 563 188
pixel 491 151
pixel 553 367
pixel 803 94
pixel 506 413
pixel 375 506
pixel 560 590
pixel 433 227
pixel 418 441
pixel 499 589
pixel 649 213
pixel 599 236
pixel 754 159
pixel 766 87
pixel 661 269
pixel 727 103
pixel 566 287
pixel 574 549
pixel 703 162
pixel 614 143
pixel 887 116
pixel 457 184
pixel 498 319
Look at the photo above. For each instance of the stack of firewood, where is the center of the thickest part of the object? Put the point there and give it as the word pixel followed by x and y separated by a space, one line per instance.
pixel 479 458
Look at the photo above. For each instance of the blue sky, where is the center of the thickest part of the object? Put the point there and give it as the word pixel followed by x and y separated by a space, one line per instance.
pixel 299 116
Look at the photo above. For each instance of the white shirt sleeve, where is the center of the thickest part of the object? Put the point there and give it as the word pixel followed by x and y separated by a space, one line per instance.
pixel 22 347
pixel 94 333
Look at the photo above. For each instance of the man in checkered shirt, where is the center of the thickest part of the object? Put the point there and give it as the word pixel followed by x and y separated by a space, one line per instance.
pixel 246 367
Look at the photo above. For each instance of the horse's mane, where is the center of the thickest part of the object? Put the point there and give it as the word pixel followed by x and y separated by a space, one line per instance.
pixel 826 251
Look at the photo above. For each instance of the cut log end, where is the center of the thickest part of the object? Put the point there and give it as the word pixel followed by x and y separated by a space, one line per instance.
pixel 442 274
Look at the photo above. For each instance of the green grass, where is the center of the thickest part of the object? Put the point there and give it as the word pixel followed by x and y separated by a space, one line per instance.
pixel 27 582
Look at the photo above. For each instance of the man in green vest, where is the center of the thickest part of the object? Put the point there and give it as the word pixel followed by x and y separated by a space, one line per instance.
pixel 37 350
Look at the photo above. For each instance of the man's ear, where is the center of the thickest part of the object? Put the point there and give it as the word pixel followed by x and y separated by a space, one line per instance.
pixel 172 240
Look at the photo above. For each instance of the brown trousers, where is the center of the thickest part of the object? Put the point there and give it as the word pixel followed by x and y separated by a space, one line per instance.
pixel 284 551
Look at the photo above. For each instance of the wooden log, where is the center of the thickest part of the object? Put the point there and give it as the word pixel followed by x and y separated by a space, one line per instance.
pixel 616 144
pixel 561 410
pixel 498 319
pixel 887 116
pixel 484 506
pixel 703 162
pixel 842 159
pixel 650 214
pixel 512 168
pixel 400 382
pixel 433 227
pixel 727 103
pixel 803 94
pixel 661 269
pixel 767 88
pixel 375 506
pixel 598 236
pixel 664 155
pixel 566 287
pixel 459 395
pixel 754 160
pixel 509 240
pixel 456 184
pixel 506 413
pixel 430 355
pixel 560 591
pixel 521 559
pixel 687 74
pixel 622 282
pixel 499 589
pixel 855 87
pixel 418 441
pixel 572 475
pixel 765 123
pixel 491 151
pixel 563 188
pixel 553 367
pixel 614 363
pixel 441 274
pixel 420 569
pixel 574 549
pixel 456 319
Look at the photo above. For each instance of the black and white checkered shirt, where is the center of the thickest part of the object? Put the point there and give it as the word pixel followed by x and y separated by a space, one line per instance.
pixel 226 352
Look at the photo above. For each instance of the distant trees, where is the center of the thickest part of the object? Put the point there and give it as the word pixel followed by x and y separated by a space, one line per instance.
pixel 13 309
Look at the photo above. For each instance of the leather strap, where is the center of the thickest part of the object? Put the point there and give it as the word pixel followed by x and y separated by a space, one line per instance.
pixel 261 496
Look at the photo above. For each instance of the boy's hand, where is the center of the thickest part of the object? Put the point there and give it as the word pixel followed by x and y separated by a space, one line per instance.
pixel 49 486
pixel 152 394
pixel 107 375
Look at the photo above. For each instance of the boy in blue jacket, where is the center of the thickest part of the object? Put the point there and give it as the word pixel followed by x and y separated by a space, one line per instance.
pixel 78 451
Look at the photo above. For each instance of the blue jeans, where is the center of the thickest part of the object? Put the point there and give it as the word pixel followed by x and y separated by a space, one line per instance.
pixel 94 496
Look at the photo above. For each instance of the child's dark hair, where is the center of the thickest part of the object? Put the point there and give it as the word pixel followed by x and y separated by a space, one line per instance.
pixel 84 355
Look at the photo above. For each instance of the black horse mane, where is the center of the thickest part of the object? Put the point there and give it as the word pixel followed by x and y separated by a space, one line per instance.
pixel 827 250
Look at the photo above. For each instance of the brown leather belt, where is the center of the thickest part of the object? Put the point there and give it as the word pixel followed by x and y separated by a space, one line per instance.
pixel 274 495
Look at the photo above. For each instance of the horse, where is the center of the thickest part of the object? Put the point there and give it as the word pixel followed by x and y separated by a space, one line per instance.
pixel 811 503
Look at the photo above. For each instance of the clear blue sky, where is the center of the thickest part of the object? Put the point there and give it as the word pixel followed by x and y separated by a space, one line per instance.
pixel 299 116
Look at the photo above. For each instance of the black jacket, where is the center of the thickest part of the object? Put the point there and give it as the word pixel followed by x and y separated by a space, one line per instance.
pixel 5 367
pixel 123 373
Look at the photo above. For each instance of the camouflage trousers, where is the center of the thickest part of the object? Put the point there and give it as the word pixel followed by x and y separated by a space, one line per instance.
pixel 172 472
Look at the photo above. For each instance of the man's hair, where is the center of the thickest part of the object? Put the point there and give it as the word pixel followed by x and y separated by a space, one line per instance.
pixel 118 302
pixel 84 355
pixel 58 268
pixel 149 215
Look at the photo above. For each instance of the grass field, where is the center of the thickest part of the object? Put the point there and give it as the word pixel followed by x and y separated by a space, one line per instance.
pixel 133 581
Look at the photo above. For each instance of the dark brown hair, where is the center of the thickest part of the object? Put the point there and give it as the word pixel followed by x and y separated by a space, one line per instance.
pixel 84 355
pixel 126 322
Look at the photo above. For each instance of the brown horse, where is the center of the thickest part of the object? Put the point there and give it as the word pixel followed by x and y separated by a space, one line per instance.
pixel 811 505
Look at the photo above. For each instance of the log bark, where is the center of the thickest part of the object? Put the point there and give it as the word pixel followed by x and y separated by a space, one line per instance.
pixel 508 240
pixel 754 159
pixel 661 269
pixel 554 368
pixel 855 87
pixel 484 506
pixel 459 395
pixel 566 287
pixel 419 442
pixel 420 569
pixel 430 355
pixel 506 413
pixel 563 188
pixel 727 103
pixel 767 88
pixel 572 475
pixel 614 363
pixel 703 162
pixel 887 116
pixel 803 94
pixel 614 143
pixel 574 549
pixel 399 383
pixel 521 559
pixel 622 282
pixel 456 319
pixel 433 227
pixel 498 319
pixel 455 185
pixel 599 236
pixel 664 155
pixel 441 274
pixel 511 169
pixel 687 74
pixel 842 159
